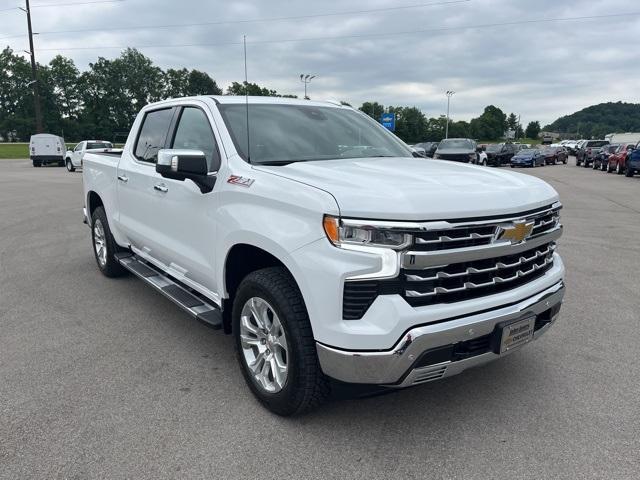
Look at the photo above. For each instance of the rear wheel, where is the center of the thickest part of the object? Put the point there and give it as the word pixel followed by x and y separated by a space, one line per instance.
pixel 70 166
pixel 37 164
pixel 275 344
pixel 104 246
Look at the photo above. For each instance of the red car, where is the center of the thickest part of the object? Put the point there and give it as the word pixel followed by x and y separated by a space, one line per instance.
pixel 618 160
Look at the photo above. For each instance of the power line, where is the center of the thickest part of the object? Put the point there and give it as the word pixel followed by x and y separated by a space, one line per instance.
pixel 45 5
pixel 253 20
pixel 362 35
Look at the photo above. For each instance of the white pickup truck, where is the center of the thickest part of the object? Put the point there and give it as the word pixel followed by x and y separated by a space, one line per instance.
pixel 73 158
pixel 313 236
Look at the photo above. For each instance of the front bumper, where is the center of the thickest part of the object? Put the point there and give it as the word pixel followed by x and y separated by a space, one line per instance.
pixel 404 365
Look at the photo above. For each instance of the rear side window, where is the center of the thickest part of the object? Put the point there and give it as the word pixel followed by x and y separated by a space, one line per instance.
pixel 153 134
pixel 98 145
pixel 194 133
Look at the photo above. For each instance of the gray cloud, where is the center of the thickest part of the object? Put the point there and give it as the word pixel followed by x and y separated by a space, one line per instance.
pixel 539 70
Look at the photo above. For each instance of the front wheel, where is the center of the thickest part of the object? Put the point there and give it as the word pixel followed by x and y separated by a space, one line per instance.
pixel 619 169
pixel 70 166
pixel 104 246
pixel 628 171
pixel 275 344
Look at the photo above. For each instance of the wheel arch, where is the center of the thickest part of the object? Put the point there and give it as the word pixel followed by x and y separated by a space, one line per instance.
pixel 242 259
pixel 93 201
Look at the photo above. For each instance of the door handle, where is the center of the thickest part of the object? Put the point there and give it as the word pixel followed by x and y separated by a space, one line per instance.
pixel 123 178
pixel 161 187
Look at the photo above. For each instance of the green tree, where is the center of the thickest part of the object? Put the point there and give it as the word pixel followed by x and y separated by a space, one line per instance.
pixel 254 89
pixel 411 124
pixel 490 125
pixel 16 99
pixel 373 109
pixel 532 130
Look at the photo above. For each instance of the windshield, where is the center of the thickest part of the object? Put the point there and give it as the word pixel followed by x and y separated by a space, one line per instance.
pixel 527 151
pixel 91 145
pixel 280 134
pixel 494 148
pixel 461 144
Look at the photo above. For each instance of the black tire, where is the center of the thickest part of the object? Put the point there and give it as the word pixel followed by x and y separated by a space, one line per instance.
pixel 37 164
pixel 70 166
pixel 628 172
pixel 110 268
pixel 305 387
pixel 619 169
pixel 61 163
pixel 595 165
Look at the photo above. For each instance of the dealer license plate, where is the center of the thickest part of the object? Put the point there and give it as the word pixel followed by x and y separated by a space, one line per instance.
pixel 517 334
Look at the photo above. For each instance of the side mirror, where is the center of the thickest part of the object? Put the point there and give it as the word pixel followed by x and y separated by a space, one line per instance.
pixel 186 164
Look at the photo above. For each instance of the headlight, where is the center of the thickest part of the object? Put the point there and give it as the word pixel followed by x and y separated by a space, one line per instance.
pixel 342 232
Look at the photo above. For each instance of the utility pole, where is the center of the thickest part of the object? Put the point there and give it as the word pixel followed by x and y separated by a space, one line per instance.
pixel 306 79
pixel 449 94
pixel 34 72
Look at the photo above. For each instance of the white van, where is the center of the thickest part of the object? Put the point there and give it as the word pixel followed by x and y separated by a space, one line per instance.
pixel 46 148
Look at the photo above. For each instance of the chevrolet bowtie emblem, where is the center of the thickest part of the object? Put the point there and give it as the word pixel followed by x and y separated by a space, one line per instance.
pixel 518 232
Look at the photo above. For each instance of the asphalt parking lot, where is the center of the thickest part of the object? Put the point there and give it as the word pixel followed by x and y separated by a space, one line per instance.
pixel 103 378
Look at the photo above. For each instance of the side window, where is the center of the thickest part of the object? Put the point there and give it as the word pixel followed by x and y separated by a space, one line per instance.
pixel 194 133
pixel 153 134
pixel 78 147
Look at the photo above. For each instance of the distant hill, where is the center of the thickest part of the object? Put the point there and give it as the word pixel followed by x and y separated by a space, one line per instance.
pixel 598 120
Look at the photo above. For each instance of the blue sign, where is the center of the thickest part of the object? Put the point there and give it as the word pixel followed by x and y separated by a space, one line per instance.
pixel 388 121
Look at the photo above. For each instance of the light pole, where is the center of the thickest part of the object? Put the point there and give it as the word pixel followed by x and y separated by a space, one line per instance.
pixel 34 73
pixel 449 94
pixel 306 79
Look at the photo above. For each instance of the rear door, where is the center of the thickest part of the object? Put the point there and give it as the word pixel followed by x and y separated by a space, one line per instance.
pixel 138 201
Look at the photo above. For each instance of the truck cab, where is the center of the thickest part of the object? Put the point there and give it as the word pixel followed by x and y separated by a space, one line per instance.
pixel 311 235
pixel 73 158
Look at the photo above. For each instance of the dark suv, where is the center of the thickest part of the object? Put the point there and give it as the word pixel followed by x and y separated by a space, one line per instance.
pixel 588 150
pixel 500 154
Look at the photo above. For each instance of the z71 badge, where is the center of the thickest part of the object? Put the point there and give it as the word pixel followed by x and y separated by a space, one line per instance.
pixel 242 181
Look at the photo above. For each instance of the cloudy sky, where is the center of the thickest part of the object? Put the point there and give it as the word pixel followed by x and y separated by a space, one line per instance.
pixel 481 49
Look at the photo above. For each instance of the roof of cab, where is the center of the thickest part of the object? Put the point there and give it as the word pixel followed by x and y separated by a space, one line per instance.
pixel 235 99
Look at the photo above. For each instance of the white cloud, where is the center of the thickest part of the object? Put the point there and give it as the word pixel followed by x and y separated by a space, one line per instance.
pixel 539 70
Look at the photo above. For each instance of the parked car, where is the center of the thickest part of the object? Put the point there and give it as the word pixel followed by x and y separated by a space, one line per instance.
pixel 601 156
pixel 73 158
pixel 457 150
pixel 529 157
pixel 418 151
pixel 617 162
pixel 571 146
pixel 500 154
pixel 45 148
pixel 633 162
pixel 553 155
pixel 319 243
pixel 482 157
pixel 585 154
pixel 429 147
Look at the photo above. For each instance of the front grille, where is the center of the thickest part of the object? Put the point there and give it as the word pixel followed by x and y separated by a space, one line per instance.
pixel 478 235
pixel 456 261
pixel 463 281
pixel 454 157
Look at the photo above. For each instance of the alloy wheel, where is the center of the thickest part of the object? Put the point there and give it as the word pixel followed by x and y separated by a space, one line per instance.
pixel 99 242
pixel 264 345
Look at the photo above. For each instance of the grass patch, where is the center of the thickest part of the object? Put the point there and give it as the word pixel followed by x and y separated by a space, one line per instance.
pixel 14 150
pixel 21 150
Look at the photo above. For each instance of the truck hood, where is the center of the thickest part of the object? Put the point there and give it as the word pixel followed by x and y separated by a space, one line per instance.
pixel 418 188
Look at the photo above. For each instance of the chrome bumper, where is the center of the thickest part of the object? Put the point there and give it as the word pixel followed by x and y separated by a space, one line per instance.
pixel 393 367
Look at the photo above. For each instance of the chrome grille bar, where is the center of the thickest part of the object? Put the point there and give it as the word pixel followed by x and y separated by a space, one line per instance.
pixel 471 270
pixel 471 285
pixel 421 260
